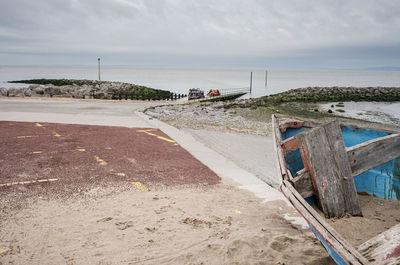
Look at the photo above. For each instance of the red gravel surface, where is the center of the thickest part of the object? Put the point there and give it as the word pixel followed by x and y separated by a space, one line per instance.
pixel 82 157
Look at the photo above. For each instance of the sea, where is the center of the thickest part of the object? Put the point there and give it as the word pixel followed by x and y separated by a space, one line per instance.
pixel 264 82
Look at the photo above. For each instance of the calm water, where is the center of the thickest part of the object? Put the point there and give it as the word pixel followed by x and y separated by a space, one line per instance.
pixel 180 80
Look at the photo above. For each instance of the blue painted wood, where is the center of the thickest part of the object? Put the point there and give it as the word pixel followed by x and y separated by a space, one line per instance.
pixel 382 181
pixel 329 249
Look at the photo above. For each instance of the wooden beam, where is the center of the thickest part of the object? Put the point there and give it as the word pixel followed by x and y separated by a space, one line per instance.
pixel 290 144
pixel 319 224
pixel 278 144
pixel 324 156
pixel 302 183
pixel 383 248
pixel 373 153
pixel 285 123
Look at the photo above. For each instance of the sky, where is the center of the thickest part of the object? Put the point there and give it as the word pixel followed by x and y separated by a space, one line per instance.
pixel 281 34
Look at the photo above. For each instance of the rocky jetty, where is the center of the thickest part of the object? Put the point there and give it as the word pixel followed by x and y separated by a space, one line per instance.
pixel 85 89
pixel 318 94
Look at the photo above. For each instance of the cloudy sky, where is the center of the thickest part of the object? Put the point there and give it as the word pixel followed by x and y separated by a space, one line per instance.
pixel 280 34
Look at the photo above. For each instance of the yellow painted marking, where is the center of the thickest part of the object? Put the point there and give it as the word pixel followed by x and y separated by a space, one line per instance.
pixel 148 132
pixel 238 212
pixel 121 174
pixel 26 136
pixel 101 161
pixel 24 182
pixel 140 186
pixel 3 251
pixel 38 124
pixel 81 149
pixel 56 134
pixel 27 182
pixel 37 152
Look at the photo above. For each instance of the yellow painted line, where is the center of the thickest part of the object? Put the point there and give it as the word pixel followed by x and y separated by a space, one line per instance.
pixel 56 134
pixel 101 161
pixel 140 186
pixel 37 152
pixel 26 136
pixel 148 132
pixel 121 174
pixel 27 182
pixel 238 212
pixel 81 149
pixel 38 124
pixel 3 251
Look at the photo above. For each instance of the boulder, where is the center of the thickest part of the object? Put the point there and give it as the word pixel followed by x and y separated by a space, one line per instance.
pixel 3 91
pixel 27 92
pixel 15 92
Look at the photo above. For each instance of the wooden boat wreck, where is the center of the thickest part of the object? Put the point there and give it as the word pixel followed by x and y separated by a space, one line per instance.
pixel 324 168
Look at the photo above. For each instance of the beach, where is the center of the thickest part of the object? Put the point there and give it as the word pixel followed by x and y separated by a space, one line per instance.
pixel 240 220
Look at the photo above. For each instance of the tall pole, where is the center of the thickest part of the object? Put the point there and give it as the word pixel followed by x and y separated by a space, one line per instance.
pixel 251 82
pixel 98 59
pixel 266 78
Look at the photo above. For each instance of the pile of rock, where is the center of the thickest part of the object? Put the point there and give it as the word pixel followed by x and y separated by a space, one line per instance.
pixel 209 116
pixel 317 94
pixel 86 89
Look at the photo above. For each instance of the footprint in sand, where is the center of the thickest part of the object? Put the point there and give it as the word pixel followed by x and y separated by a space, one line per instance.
pixel 282 242
pixel 105 219
pixel 124 225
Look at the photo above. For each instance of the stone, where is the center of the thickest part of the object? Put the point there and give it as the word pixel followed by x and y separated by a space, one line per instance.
pixel 15 92
pixel 3 91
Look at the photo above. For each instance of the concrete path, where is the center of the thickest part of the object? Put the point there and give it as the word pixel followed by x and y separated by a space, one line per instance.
pixel 232 150
pixel 90 112
pixel 254 153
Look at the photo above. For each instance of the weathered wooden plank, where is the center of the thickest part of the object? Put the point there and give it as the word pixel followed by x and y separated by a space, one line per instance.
pixel 373 153
pixel 323 153
pixel 384 248
pixel 290 144
pixel 335 139
pixel 302 183
pixel 340 245
pixel 278 142
pixel 285 123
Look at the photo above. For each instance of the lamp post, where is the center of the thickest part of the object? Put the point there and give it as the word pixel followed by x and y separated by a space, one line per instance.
pixel 98 59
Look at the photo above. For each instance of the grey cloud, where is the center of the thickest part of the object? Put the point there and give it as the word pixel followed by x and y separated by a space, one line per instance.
pixel 188 29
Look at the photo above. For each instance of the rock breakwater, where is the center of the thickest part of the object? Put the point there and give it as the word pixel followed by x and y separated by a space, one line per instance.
pixel 318 94
pixel 85 89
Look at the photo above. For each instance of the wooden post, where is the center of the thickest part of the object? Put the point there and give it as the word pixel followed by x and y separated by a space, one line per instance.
pixel 324 156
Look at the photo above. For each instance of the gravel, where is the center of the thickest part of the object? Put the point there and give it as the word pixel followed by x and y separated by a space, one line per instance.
pixel 215 116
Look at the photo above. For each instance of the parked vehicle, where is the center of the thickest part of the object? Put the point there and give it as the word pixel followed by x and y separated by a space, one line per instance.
pixel 195 93
pixel 213 93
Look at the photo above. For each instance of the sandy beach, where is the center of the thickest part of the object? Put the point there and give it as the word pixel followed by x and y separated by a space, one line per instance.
pixel 240 220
